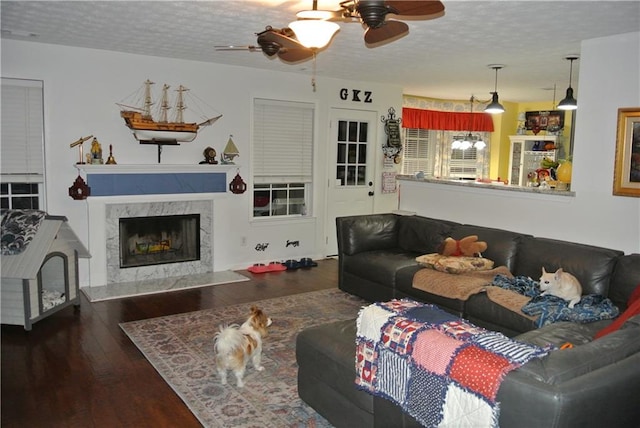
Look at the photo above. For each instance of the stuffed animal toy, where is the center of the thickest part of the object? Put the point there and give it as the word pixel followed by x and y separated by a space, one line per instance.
pixel 469 246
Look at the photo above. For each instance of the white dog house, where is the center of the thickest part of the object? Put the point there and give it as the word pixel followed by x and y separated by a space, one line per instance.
pixel 42 278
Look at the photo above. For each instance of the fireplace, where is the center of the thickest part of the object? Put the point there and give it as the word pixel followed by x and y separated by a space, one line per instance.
pixel 155 240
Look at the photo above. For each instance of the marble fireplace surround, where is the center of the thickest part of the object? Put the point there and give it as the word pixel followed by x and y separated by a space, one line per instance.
pixel 104 244
pixel 119 191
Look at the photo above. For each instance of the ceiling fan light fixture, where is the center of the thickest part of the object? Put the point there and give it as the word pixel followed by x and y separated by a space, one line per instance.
pixel 314 34
pixel 315 14
pixel 495 106
pixel 569 102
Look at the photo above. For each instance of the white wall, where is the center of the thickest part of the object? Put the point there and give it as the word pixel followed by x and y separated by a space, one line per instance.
pixel 81 87
pixel 609 79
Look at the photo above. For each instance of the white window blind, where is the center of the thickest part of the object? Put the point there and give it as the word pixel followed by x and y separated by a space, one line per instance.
pixel 22 149
pixel 282 141
pixel 463 163
pixel 419 151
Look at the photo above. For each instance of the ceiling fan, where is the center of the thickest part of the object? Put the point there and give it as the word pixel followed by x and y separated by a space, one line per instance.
pixel 274 41
pixel 374 15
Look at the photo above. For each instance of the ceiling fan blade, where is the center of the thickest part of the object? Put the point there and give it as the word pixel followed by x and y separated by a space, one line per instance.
pixel 389 32
pixel 281 39
pixel 295 55
pixel 249 48
pixel 415 8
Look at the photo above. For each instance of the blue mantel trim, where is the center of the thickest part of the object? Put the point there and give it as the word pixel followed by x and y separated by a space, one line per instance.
pixel 156 183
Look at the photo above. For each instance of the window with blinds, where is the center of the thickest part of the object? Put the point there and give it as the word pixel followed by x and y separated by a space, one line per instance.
pixel 419 151
pixel 282 157
pixel 430 151
pixel 463 163
pixel 22 149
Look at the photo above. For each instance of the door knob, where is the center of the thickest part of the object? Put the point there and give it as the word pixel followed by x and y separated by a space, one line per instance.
pixel 370 193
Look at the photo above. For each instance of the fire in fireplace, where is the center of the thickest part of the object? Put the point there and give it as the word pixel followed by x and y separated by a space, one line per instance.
pixel 158 240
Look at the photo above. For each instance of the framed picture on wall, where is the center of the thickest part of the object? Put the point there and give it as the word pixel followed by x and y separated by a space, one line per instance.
pixel 549 120
pixel 626 173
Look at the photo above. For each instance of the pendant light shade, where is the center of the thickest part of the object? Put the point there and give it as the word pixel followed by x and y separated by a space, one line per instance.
pixel 495 106
pixel 313 33
pixel 569 103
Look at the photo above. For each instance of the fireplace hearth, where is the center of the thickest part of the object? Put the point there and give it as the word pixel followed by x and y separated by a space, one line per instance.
pixel 156 240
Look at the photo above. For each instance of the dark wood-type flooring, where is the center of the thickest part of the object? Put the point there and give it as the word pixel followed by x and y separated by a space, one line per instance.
pixel 78 369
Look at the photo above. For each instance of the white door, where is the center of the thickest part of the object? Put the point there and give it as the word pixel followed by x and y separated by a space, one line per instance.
pixel 351 167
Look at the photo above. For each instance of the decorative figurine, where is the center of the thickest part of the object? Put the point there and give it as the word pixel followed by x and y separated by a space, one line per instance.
pixel 209 156
pixel 111 160
pixel 230 152
pixel 79 144
pixel 96 152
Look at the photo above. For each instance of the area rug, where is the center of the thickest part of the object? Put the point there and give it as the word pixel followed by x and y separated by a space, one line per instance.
pixel 180 348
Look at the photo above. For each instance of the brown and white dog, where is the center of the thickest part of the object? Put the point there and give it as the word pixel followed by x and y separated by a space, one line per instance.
pixel 235 345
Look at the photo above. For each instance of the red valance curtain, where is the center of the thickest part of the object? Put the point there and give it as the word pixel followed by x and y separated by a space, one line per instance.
pixel 446 121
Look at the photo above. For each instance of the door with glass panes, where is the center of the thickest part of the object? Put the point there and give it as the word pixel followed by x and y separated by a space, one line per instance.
pixel 351 156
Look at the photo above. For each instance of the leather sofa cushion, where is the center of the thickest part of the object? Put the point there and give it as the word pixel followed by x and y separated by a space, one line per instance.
pixel 480 307
pixel 357 234
pixel 592 266
pixel 422 235
pixel 626 276
pixel 565 364
pixel 379 266
pixel 502 245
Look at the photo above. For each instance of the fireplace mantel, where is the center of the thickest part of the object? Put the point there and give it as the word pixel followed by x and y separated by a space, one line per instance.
pixel 152 168
pixel 121 180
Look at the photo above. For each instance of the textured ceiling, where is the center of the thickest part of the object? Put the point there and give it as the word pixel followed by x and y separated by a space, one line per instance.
pixel 444 58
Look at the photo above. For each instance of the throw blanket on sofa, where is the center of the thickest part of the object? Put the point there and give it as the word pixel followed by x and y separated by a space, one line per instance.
pixel 442 370
pixel 464 285
pixel 549 309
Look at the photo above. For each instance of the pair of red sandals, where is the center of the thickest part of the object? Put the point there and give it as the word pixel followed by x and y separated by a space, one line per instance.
pixel 280 266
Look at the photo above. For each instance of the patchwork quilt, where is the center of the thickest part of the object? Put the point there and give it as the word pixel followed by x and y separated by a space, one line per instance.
pixel 442 370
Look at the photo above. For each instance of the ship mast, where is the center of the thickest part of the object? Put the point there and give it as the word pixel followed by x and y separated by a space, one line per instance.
pixel 180 107
pixel 146 110
pixel 164 106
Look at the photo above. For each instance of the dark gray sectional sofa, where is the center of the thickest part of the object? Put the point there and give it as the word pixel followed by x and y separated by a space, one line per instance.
pixel 594 384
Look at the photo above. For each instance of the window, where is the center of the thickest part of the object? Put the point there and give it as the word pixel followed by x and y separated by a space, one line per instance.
pixel 351 161
pixel 419 151
pixel 463 163
pixel 22 149
pixel 282 157
pixel 430 152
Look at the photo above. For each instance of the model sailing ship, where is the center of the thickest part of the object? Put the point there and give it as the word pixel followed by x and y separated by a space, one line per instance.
pixel 146 128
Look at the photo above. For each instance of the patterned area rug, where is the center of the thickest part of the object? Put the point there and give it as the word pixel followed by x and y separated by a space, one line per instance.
pixel 180 348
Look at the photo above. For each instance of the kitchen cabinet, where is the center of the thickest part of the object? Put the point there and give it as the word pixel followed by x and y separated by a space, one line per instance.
pixel 525 155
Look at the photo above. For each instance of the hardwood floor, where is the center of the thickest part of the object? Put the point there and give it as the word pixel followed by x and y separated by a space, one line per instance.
pixel 78 369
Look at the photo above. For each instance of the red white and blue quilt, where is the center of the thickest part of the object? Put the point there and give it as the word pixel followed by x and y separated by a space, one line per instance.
pixel 442 370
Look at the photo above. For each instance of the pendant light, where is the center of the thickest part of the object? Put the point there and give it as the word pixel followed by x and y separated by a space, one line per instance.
pixel 464 142
pixel 569 103
pixel 495 106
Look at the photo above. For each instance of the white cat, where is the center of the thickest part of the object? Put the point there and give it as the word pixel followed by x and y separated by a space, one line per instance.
pixel 561 284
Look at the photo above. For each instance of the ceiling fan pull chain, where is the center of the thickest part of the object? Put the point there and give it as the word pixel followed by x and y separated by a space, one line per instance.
pixel 313 78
